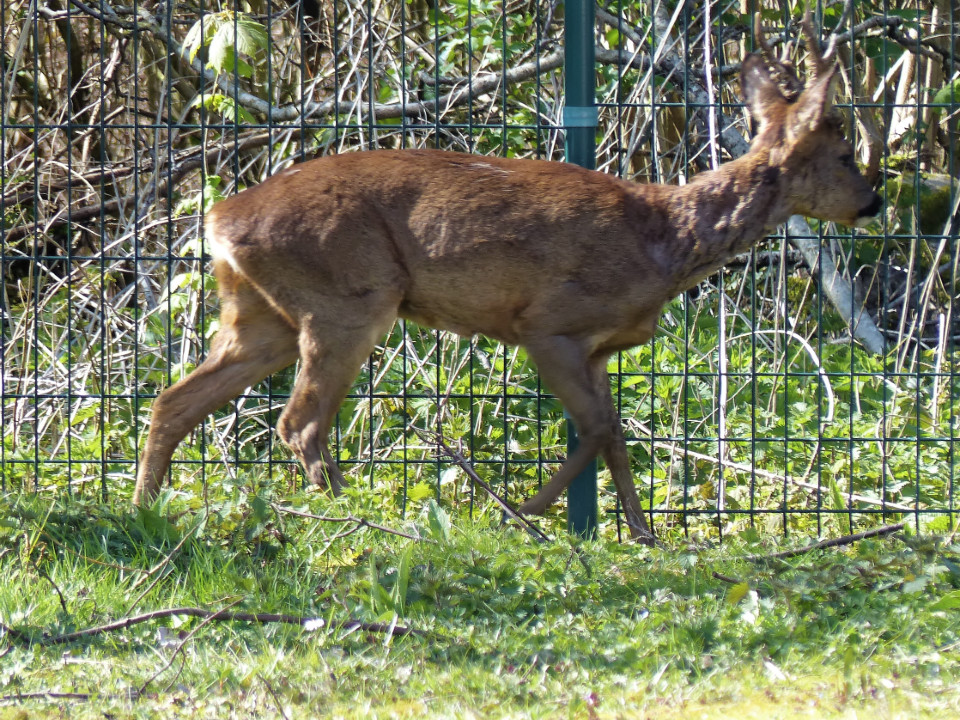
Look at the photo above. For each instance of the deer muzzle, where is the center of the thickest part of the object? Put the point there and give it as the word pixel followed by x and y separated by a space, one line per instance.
pixel 869 211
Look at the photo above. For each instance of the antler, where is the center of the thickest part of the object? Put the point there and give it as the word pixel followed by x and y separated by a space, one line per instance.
pixel 781 68
pixel 765 48
pixel 767 51
pixel 823 61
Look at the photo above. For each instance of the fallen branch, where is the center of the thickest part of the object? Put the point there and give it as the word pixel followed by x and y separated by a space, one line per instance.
pixel 45 695
pixel 360 522
pixel 835 542
pixel 305 621
pixel 179 649
pixel 726 578
pixel 837 288
pixel 465 465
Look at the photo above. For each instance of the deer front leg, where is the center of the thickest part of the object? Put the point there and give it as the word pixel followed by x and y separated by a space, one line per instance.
pixel 306 421
pixel 583 387
pixel 333 345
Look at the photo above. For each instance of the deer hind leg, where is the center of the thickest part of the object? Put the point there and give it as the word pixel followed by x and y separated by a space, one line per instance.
pixel 253 342
pixel 618 462
pixel 564 367
pixel 583 387
pixel 331 354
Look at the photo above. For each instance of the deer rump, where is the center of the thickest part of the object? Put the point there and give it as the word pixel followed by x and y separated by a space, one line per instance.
pixel 317 263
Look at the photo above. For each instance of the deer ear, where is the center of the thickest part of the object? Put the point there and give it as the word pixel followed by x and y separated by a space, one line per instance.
pixel 760 90
pixel 814 104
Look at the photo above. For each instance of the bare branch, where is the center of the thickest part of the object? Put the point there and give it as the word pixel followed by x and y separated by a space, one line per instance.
pixel 307 621
pixel 109 16
pixel 835 542
pixel 359 522
pixel 46 695
pixel 465 465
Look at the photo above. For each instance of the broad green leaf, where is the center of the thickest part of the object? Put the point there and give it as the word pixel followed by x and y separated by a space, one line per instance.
pixel 837 501
pixel 950 601
pixel 439 521
pixel 420 491
pixel 738 592
pixel 915 584
pixel 191 42
pixel 260 507
pixel 403 581
pixel 211 191
pixel 230 110
pixel 244 69
pixel 200 33
pixel 949 93
pixel 220 55
pixel 251 36
pixel 236 36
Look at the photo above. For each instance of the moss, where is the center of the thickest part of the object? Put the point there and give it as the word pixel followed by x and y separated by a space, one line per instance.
pixel 927 195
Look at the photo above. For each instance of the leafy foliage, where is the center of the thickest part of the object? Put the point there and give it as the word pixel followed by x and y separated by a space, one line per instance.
pixel 228 37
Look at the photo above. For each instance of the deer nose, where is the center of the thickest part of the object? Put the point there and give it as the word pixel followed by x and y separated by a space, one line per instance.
pixel 876 204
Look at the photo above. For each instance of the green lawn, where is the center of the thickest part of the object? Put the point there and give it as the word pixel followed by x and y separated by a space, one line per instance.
pixel 504 626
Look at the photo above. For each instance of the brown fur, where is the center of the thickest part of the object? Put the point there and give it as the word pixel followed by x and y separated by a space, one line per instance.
pixel 573 265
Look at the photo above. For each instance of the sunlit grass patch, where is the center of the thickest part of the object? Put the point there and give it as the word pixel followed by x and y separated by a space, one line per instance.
pixel 507 626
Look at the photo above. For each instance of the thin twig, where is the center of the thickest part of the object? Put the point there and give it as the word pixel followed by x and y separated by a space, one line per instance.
pixel 311 622
pixel 180 646
pixel 835 542
pixel 43 573
pixel 110 18
pixel 360 522
pixel 92 561
pixel 465 465
pixel 273 694
pixel 726 578
pixel 536 532
pixel 45 695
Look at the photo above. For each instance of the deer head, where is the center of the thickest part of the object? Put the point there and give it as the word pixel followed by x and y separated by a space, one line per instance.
pixel 803 134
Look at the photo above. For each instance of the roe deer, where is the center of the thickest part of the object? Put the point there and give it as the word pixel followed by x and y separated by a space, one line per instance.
pixel 317 263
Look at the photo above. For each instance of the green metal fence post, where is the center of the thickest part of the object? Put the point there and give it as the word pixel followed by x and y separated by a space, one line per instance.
pixel 580 121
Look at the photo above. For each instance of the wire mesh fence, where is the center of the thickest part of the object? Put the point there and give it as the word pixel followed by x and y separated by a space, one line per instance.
pixel 814 381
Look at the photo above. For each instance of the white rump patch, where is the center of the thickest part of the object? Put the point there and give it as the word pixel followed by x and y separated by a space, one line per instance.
pixel 219 250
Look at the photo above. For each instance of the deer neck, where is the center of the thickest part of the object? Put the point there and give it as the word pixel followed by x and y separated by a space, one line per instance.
pixel 722 213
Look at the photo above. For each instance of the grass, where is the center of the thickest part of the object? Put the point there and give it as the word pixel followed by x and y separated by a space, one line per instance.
pixel 508 627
